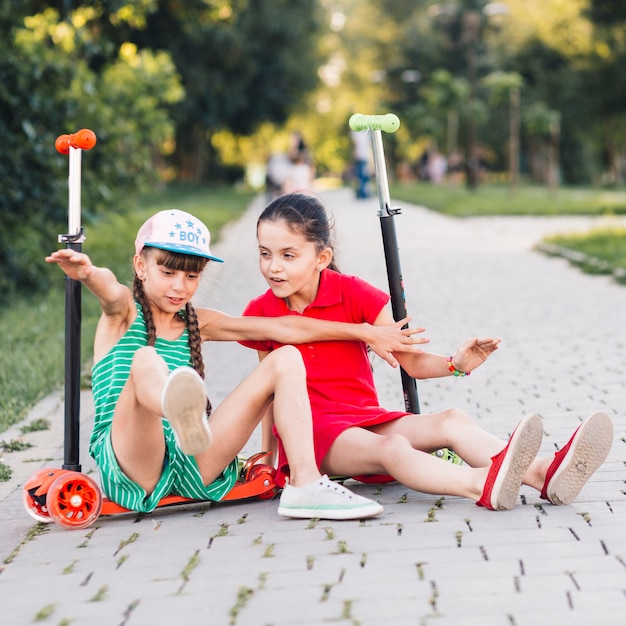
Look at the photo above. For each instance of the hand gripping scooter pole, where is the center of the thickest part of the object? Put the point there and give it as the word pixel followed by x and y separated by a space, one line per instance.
pixel 73 145
pixel 390 124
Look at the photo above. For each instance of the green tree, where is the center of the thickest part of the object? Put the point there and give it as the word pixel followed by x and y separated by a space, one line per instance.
pixel 30 105
pixel 48 88
pixel 448 94
pixel 606 83
pixel 544 128
pixel 504 88
pixel 570 64
pixel 607 12
pixel 553 81
pixel 241 62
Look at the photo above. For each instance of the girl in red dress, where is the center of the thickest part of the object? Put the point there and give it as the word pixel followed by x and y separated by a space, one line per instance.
pixel 353 434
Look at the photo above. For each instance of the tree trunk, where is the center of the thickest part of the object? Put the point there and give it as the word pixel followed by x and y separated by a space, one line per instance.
pixel 514 139
pixel 553 154
pixel 453 132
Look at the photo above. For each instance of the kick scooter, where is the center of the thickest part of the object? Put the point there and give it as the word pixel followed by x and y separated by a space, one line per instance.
pixel 390 123
pixel 65 495
pixel 375 124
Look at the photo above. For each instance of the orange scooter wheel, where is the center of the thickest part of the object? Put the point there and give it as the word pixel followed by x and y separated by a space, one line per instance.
pixel 74 500
pixel 270 474
pixel 34 493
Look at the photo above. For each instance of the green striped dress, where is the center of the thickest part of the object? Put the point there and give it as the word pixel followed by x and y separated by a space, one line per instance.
pixel 180 472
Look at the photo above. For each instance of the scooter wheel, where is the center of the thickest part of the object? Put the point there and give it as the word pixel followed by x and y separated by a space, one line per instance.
pixel 74 500
pixel 269 474
pixel 34 494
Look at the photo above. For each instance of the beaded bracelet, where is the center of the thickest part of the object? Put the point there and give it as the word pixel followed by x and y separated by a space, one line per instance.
pixel 455 372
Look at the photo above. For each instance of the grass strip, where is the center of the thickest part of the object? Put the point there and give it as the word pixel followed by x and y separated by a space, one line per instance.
pixel 458 201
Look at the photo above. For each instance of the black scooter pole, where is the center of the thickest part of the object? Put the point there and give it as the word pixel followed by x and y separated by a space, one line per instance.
pixel 375 124
pixel 73 145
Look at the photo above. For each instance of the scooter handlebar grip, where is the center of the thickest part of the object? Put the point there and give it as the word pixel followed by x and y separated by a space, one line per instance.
pixel 84 139
pixel 389 122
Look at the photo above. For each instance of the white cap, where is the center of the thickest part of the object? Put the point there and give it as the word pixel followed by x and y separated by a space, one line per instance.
pixel 175 231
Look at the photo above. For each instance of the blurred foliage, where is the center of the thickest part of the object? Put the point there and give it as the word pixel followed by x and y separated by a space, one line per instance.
pixel 242 63
pixel 47 89
pixel 198 90
pixel 567 54
pixel 155 80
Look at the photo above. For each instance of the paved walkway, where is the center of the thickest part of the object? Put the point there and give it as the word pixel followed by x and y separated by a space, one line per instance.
pixel 427 560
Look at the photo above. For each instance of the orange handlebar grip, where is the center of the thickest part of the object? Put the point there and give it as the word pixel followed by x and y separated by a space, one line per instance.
pixel 62 144
pixel 84 139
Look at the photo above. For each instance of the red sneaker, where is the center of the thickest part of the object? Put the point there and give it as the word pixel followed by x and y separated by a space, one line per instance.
pixel 572 466
pixel 509 466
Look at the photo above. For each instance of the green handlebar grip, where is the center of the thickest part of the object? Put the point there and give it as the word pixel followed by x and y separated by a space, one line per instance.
pixel 389 123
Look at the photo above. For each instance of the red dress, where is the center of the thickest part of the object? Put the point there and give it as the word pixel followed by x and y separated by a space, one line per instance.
pixel 339 376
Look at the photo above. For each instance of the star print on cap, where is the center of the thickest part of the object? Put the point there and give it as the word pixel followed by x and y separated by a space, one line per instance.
pixel 175 231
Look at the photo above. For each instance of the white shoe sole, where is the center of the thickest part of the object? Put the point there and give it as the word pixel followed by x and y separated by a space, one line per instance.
pixel 184 406
pixel 339 513
pixel 523 448
pixel 589 448
pixel 326 499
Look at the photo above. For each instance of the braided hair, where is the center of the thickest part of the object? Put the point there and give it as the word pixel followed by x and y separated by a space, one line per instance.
pixel 175 262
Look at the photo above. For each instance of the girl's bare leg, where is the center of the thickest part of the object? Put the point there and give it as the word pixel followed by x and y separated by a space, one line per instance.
pixel 360 451
pixel 280 378
pixel 137 431
pixel 455 430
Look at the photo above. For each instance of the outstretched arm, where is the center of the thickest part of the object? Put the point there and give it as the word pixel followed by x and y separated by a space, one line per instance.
pixel 295 329
pixel 386 339
pixel 115 299
pixel 421 365
pixel 474 352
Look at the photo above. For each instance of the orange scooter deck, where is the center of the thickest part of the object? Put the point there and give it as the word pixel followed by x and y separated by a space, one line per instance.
pixel 74 500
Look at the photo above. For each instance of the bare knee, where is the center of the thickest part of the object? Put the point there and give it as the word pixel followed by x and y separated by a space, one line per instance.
pixel 148 372
pixel 146 357
pixel 450 423
pixel 286 362
pixel 391 447
pixel 453 418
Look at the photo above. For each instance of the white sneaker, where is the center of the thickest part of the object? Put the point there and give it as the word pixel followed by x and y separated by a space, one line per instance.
pixel 325 499
pixel 184 405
